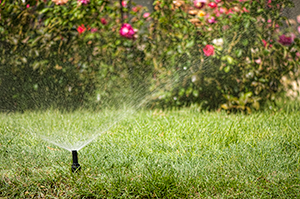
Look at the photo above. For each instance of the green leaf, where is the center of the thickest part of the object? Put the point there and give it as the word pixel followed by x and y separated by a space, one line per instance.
pixel 35 86
pixel 179 49
pixel 190 44
pixel 230 60
pixel 245 42
pixel 247 24
pixel 256 105
pixel 117 42
pixel 195 93
pixel 227 69
pixel 46 22
pixel 44 10
pixel 260 10
pixel 239 52
pixel 266 52
pixel 224 106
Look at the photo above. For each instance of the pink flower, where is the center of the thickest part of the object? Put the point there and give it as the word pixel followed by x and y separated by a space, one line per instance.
pixel 217 13
pixel 103 21
pixel 218 1
pixel 226 27
pixel 211 20
pixel 222 10
pixel 127 31
pixel 146 14
pixel 245 9
pixel 137 8
pixel 229 11
pixel 269 2
pixel 298 18
pixel 266 44
pixel 236 9
pixel 299 29
pixel 199 3
pixel 212 5
pixel 258 61
pixel 84 1
pixel 286 41
pixel 81 29
pixel 124 4
pixel 94 30
pixel 27 6
pixel 293 36
pixel 209 50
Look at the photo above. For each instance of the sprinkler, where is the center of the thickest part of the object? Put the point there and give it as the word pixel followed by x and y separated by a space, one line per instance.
pixel 75 166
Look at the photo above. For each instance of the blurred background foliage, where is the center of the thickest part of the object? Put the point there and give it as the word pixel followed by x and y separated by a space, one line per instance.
pixel 70 54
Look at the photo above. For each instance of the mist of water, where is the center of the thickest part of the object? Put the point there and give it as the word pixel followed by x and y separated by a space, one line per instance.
pixel 75 131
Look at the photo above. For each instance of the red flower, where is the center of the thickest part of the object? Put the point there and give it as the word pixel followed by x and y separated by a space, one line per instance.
pixel 229 11
pixel 209 50
pixel 212 5
pixel 103 21
pixel 81 29
pixel 266 44
pixel 286 41
pixel 127 31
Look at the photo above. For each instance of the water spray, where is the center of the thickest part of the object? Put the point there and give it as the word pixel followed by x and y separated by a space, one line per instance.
pixel 75 166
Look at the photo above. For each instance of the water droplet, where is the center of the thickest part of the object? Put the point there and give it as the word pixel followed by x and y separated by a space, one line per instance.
pixel 194 78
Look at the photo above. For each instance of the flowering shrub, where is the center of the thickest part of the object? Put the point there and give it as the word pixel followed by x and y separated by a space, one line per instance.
pixel 237 60
pixel 228 54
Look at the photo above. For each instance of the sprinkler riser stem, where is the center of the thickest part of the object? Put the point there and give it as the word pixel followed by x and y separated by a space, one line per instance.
pixel 75 166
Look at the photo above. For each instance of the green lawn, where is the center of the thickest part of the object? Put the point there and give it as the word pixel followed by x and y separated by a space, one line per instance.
pixel 153 154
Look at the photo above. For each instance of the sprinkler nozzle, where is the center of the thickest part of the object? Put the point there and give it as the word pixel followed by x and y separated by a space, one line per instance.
pixel 75 166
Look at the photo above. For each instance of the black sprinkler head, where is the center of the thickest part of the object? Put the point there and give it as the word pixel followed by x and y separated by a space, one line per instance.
pixel 75 166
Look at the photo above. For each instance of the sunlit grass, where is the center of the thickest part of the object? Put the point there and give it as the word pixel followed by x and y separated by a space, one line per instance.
pixel 164 154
